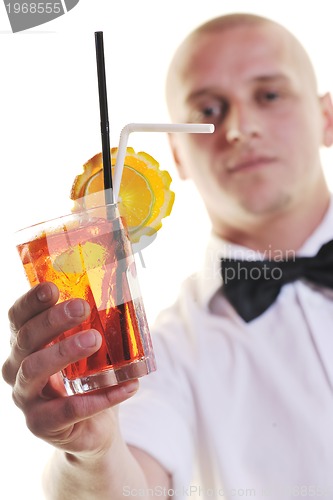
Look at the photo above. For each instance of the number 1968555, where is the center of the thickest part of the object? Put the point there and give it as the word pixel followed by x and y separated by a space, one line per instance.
pixel 35 8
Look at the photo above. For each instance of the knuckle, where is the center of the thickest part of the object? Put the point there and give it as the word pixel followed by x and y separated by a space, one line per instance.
pixel 24 338
pixel 5 371
pixel 49 320
pixel 55 320
pixel 16 312
pixel 26 372
pixel 64 350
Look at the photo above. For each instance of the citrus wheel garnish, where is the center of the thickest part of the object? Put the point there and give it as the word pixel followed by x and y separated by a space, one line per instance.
pixel 144 198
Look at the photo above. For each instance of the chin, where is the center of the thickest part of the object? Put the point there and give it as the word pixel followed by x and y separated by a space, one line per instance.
pixel 266 205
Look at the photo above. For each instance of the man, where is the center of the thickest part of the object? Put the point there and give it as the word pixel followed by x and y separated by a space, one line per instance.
pixel 246 399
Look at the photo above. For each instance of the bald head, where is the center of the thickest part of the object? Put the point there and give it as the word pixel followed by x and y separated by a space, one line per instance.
pixel 181 63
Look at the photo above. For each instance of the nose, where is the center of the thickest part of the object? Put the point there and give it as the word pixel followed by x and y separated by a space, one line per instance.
pixel 241 125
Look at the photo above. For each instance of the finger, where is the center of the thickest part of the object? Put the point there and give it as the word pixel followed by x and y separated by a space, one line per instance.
pixel 45 327
pixel 61 420
pixel 36 369
pixel 31 303
pixel 42 329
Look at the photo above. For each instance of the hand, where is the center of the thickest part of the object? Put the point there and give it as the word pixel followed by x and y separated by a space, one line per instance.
pixel 80 424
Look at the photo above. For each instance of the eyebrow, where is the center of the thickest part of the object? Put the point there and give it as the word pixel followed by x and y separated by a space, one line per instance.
pixel 272 78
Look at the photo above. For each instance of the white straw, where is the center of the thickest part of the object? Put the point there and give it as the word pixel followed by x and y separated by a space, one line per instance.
pixel 189 128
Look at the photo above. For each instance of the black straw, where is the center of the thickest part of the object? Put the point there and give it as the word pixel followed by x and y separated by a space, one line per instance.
pixel 103 104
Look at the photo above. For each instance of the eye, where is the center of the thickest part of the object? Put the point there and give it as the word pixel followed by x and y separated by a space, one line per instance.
pixel 268 96
pixel 272 96
pixel 212 112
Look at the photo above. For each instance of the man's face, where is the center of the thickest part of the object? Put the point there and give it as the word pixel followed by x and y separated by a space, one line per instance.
pixel 257 87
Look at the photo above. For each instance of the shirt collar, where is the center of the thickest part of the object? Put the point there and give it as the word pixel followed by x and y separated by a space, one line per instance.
pixel 209 275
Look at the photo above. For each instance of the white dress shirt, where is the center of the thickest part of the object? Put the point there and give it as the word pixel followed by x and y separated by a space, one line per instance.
pixel 245 408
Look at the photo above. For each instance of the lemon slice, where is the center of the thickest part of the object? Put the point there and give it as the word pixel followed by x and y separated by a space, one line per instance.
pixel 145 197
pixel 80 258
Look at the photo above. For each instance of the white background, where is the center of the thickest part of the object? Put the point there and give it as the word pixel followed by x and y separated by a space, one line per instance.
pixel 49 120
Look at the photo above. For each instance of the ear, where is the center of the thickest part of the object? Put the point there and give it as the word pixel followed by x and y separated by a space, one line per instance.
pixel 327 111
pixel 176 156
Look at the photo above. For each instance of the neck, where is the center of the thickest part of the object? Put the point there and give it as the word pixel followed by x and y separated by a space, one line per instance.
pixel 282 232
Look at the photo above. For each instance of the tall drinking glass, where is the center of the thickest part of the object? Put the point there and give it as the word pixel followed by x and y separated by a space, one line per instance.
pixel 88 255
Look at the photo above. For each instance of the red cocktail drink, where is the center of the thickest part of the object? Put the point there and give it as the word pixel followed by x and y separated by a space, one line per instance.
pixel 89 255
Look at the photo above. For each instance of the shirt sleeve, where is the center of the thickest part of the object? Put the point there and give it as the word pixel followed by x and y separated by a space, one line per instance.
pixel 159 418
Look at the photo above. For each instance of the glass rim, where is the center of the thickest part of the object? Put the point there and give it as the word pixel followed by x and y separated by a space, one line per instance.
pixel 74 213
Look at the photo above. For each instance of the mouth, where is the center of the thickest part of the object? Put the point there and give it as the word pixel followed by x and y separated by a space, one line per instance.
pixel 250 164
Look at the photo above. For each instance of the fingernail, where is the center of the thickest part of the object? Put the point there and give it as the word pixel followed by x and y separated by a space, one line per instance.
pixel 87 339
pixel 44 293
pixel 75 308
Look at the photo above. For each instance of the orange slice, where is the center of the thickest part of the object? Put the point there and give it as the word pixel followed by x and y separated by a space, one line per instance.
pixel 145 197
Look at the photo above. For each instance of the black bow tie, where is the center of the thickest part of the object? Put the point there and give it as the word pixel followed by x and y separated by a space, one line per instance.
pixel 252 286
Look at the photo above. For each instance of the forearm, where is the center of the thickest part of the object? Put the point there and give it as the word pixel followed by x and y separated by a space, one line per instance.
pixel 103 477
